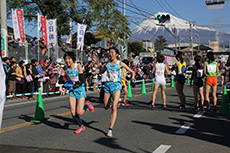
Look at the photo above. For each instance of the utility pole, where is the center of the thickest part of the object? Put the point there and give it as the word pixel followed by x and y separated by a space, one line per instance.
pixel 191 49
pixel 179 39
pixel 175 37
pixel 4 39
pixel 198 40
pixel 126 48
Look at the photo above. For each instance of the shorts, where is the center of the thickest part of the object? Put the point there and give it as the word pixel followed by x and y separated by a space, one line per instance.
pixel 78 93
pixel 198 82
pixel 112 87
pixel 12 86
pixel 160 81
pixel 211 80
pixel 180 79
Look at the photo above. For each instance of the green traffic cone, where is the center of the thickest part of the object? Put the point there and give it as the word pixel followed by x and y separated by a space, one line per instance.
pixel 153 85
pixel 188 80
pixel 224 107
pixel 39 112
pixel 172 82
pixel 143 90
pixel 225 91
pixel 129 95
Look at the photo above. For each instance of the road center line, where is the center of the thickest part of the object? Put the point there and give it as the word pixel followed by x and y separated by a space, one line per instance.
pixel 162 149
pixel 183 129
pixel 198 115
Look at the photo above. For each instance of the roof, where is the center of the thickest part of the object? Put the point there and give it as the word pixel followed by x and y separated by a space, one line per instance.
pixel 188 49
pixel 203 47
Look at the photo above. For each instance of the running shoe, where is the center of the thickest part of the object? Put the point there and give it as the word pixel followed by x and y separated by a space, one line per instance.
pixel 181 106
pixel 214 109
pixel 196 108
pixel 164 105
pixel 90 106
pixel 125 104
pixel 152 105
pixel 110 133
pixel 81 129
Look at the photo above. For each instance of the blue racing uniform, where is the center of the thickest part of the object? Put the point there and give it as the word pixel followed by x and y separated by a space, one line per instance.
pixel 113 78
pixel 78 92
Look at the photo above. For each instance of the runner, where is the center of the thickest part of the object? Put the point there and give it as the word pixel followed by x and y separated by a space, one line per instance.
pixel 197 77
pixel 223 71
pixel 74 78
pixel 180 79
pixel 113 84
pixel 210 71
pixel 124 83
pixel 159 69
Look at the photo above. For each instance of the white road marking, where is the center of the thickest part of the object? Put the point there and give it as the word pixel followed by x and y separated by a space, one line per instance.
pixel 183 129
pixel 162 149
pixel 198 115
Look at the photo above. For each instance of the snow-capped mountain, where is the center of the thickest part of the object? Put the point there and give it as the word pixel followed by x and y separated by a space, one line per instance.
pixel 151 28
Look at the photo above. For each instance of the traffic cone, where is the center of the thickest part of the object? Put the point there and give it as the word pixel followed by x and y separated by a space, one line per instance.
pixel 188 80
pixel 225 91
pixel 165 87
pixel 129 95
pixel 172 82
pixel 39 112
pixel 143 90
pixel 224 107
pixel 153 85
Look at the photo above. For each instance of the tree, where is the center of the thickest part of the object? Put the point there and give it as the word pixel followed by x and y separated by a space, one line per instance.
pixel 102 16
pixel 160 43
pixel 135 47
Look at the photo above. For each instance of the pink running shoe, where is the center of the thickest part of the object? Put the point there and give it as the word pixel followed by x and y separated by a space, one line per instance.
pixel 81 129
pixel 90 106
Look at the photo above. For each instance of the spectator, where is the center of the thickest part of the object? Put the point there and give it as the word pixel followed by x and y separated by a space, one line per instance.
pixel 29 80
pixel 42 46
pixel 95 77
pixel 6 66
pixel 41 73
pixel 20 79
pixel 88 72
pixel 12 59
pixel 53 78
pixel 12 79
pixel 35 74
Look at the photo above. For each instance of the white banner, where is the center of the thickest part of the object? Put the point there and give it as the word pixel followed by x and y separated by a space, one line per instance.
pixel 69 39
pixel 2 91
pixel 39 25
pixel 52 33
pixel 15 25
pixel 80 35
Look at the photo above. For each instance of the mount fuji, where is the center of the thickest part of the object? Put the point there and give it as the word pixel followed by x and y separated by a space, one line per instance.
pixel 151 28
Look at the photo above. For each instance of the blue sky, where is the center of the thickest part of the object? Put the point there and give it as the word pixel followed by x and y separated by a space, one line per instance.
pixel 194 10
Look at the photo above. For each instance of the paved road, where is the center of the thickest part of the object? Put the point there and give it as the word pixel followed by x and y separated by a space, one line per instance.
pixel 138 128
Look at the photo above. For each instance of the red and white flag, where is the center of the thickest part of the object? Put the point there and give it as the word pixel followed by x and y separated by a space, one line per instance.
pixel 44 29
pixel 69 39
pixel 18 25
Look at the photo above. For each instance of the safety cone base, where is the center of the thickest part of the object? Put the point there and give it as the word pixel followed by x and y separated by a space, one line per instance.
pixel 40 120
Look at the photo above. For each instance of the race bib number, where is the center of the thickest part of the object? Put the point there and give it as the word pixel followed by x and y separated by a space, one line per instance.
pixel 74 78
pixel 211 68
pixel 199 73
pixel 112 75
pixel 160 72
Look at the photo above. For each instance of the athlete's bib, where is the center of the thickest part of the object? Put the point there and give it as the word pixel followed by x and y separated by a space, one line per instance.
pixel 211 68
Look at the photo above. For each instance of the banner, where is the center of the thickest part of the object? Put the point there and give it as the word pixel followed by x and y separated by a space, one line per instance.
pixel 15 25
pixel 80 35
pixel 2 91
pixel 44 29
pixel 21 25
pixel 52 33
pixel 69 39
pixel 39 25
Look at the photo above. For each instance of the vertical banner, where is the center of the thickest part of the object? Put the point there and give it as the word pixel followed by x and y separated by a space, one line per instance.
pixel 80 35
pixel 21 25
pixel 15 24
pixel 69 39
pixel 52 32
pixel 39 25
pixel 44 29
pixel 2 91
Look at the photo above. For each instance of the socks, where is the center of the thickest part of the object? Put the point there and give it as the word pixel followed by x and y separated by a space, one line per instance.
pixel 77 119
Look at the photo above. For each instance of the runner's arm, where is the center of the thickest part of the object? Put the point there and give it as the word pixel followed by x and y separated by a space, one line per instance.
pixel 127 68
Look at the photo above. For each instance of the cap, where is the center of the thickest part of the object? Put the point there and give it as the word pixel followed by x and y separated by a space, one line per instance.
pixel 41 62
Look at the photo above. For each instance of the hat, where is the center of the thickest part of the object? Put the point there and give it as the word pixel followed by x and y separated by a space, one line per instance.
pixel 41 62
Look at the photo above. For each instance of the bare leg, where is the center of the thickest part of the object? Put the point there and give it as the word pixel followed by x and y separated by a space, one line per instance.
pixel 201 92
pixel 106 100
pixel 116 97
pixel 207 90
pixel 124 87
pixel 154 93
pixel 163 94
pixel 179 89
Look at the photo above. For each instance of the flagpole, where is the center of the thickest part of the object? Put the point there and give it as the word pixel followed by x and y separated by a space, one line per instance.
pixel 38 30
